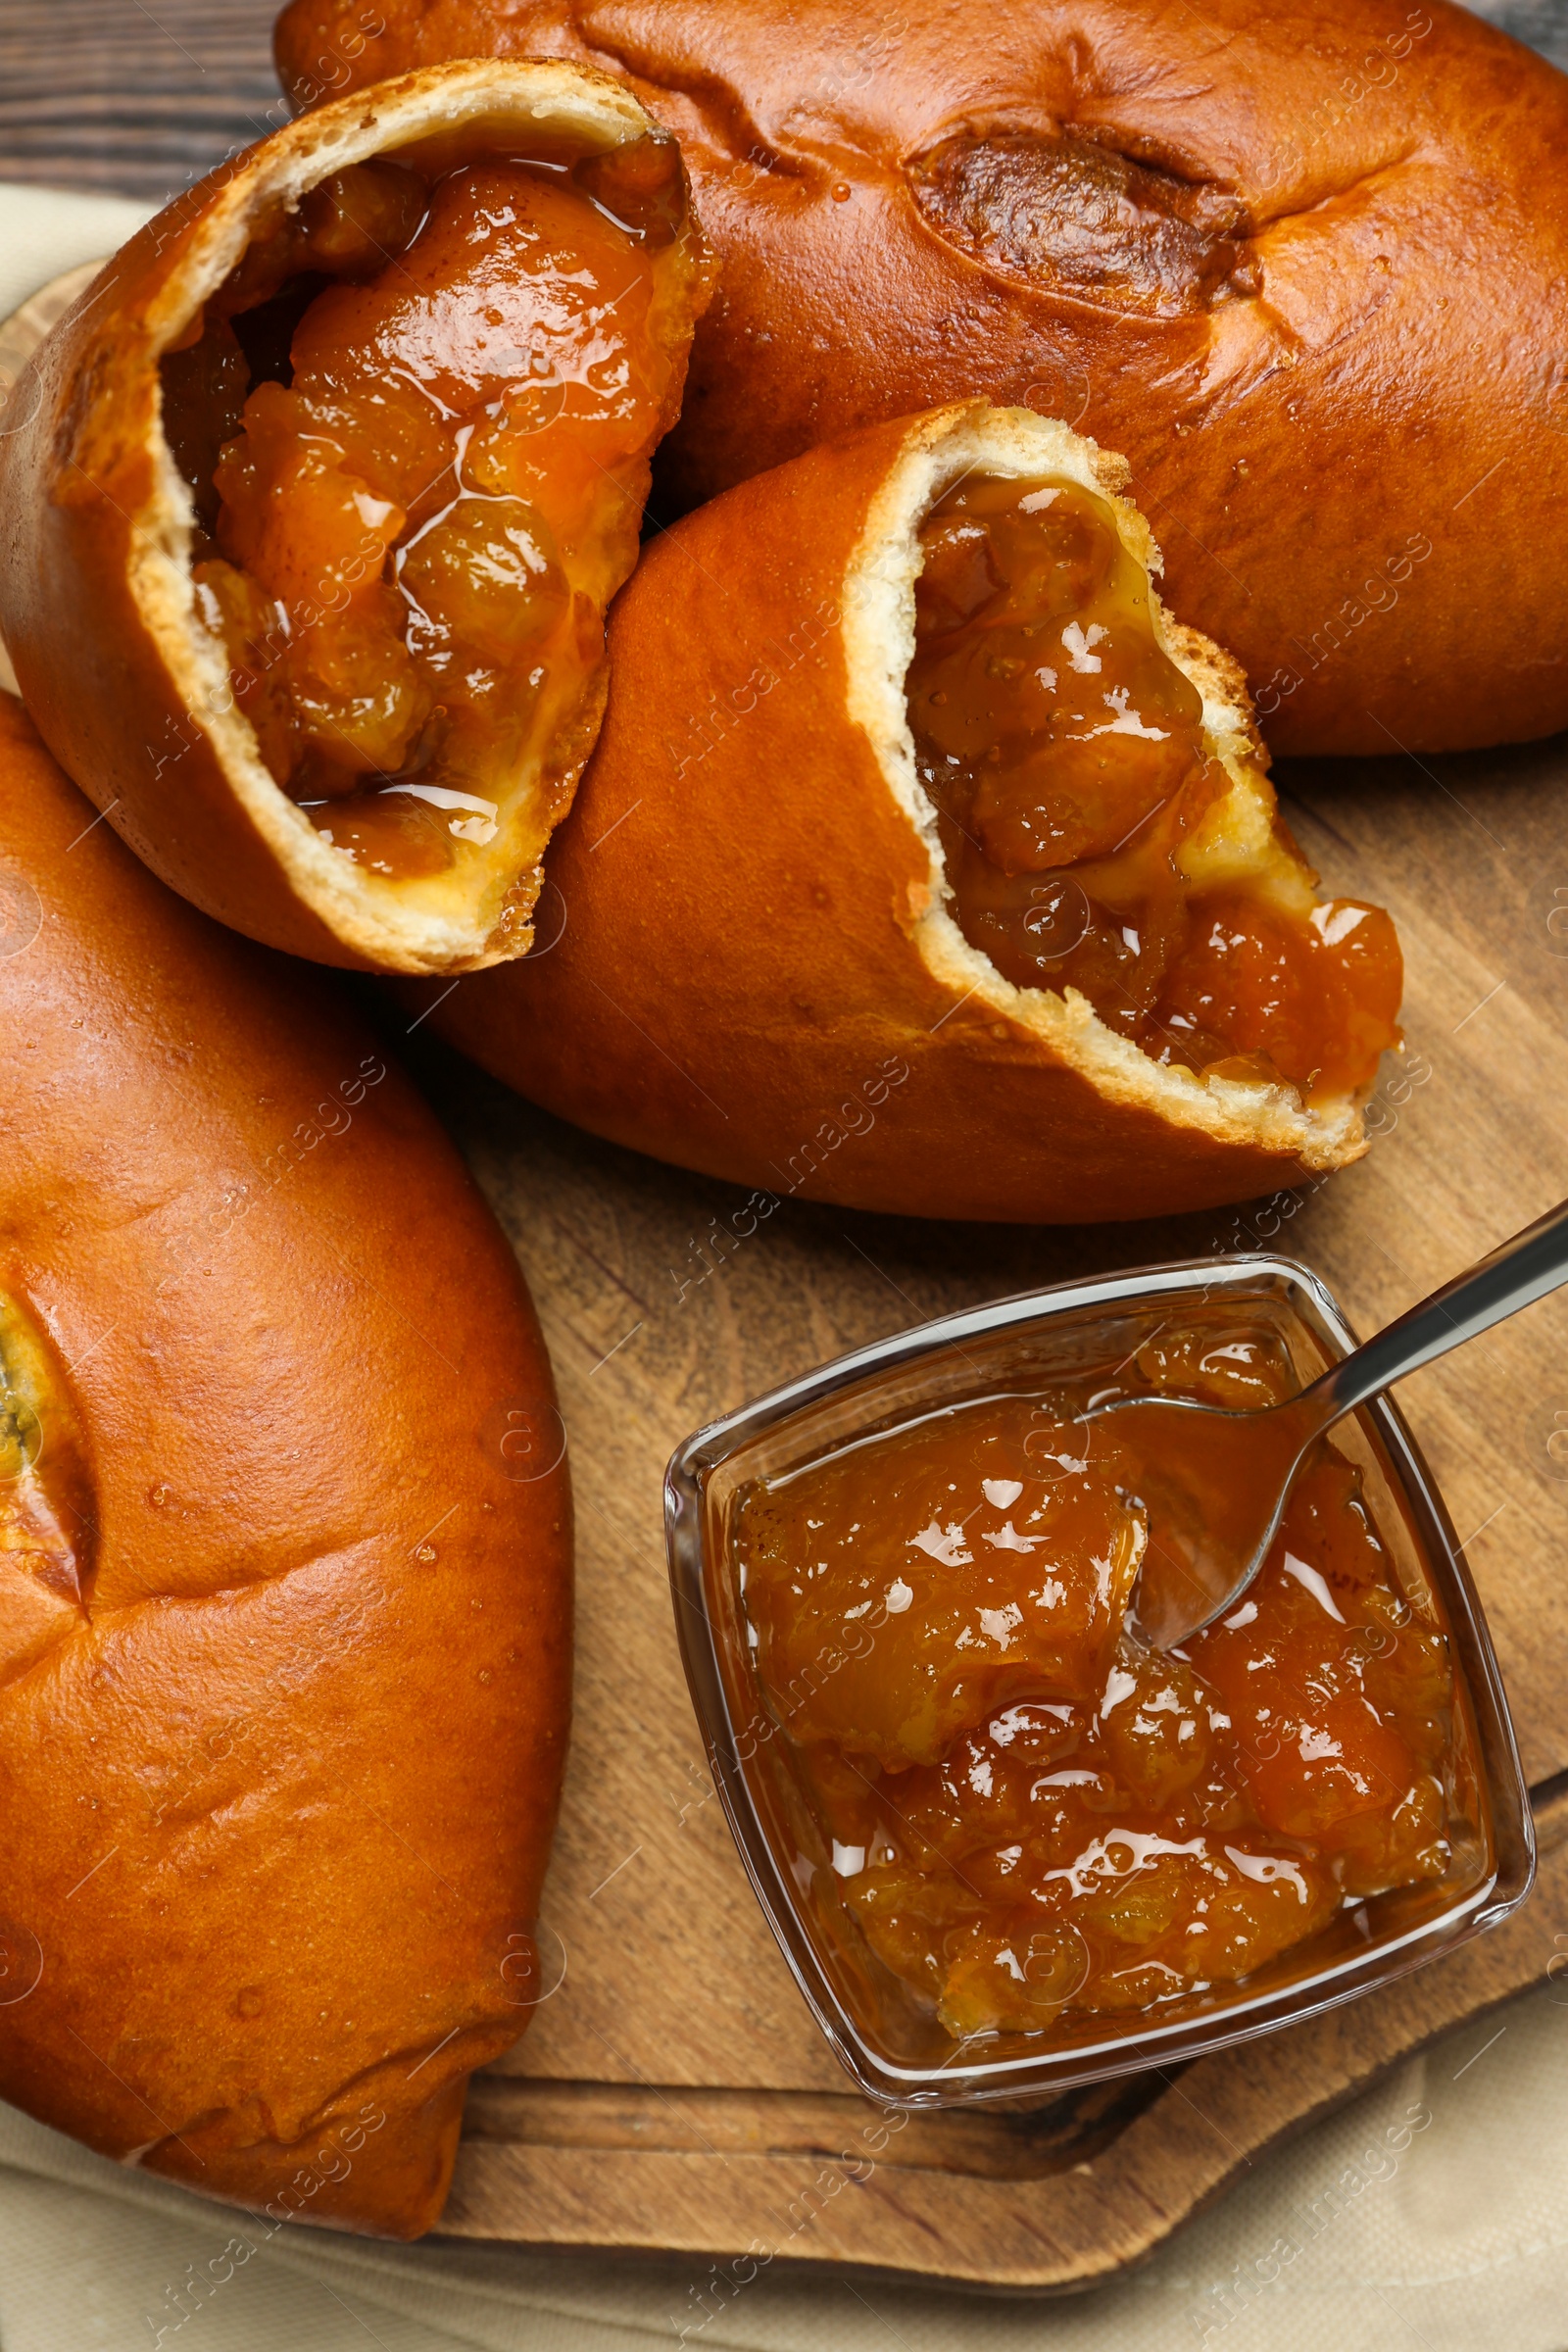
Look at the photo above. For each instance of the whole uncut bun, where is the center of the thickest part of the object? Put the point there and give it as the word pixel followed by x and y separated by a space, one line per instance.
pixel 1301 261
pixel 759 972
pixel 284 1628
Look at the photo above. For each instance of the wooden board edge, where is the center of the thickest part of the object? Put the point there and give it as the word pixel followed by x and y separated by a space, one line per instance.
pixel 732 2214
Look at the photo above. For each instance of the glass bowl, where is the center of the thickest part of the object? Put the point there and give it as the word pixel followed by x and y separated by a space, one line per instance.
pixel 888 2038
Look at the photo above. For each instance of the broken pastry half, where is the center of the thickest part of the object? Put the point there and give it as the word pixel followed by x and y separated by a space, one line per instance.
pixel 325 486
pixel 928 864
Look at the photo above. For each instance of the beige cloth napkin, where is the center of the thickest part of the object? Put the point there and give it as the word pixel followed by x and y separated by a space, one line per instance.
pixel 44 231
pixel 1431 2213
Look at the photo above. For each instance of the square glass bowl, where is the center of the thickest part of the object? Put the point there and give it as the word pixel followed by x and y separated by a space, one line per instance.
pixel 890 2038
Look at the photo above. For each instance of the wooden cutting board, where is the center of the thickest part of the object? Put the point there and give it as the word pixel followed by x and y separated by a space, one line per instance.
pixel 672 2094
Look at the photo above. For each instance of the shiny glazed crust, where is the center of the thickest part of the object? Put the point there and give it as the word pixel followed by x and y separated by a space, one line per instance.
pixel 280 1760
pixel 757 973
pixel 97 608
pixel 1345 450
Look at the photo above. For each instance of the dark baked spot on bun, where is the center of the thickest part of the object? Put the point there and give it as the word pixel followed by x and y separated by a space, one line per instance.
pixel 1076 216
pixel 47 1518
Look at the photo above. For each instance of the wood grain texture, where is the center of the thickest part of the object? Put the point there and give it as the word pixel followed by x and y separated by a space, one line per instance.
pixel 135 100
pixel 672 2093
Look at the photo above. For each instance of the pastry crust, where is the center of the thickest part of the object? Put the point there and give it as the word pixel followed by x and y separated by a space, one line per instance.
pixel 1299 258
pixel 97 606
pixel 285 1633
pixel 758 974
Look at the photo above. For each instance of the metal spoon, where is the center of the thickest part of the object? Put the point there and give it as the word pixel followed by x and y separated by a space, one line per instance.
pixel 1215 1484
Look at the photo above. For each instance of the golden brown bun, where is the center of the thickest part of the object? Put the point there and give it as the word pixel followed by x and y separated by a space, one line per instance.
pixel 1301 260
pixel 758 975
pixel 285 1652
pixel 97 607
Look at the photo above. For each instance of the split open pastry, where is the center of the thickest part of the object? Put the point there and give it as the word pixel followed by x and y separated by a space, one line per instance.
pixel 285 1561
pixel 926 863
pixel 322 491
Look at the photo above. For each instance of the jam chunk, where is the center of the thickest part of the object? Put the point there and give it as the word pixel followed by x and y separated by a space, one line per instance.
pixel 1065 752
pixel 890 1617
pixel 1336 1695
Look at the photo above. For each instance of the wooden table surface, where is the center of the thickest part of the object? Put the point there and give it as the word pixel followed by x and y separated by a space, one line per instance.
pixel 673 2092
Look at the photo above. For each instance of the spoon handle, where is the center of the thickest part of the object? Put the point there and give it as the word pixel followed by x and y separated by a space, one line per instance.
pixel 1533 1264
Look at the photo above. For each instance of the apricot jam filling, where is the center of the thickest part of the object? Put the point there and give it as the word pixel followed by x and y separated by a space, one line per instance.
pixel 1038 1822
pixel 1088 828
pixel 47 1503
pixel 416 421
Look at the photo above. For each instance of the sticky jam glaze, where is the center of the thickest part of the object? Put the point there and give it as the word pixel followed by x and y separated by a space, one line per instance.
pixel 1065 754
pixel 1033 1818
pixel 416 421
